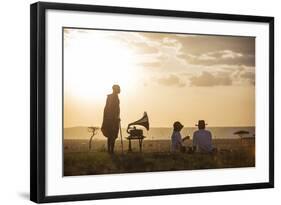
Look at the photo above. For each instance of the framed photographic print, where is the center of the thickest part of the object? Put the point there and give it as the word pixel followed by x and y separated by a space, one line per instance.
pixel 129 102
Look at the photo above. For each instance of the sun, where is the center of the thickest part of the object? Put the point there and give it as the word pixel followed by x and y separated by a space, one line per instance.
pixel 93 62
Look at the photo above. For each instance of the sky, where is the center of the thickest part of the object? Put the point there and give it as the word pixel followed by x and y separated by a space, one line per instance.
pixel 173 77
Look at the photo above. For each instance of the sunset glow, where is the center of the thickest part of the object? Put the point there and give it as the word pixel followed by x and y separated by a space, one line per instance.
pixel 95 63
pixel 170 76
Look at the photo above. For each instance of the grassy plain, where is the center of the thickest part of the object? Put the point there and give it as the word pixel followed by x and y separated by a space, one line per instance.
pixel 156 156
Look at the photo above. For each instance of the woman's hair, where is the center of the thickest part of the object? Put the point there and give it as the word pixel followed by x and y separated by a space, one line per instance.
pixel 177 126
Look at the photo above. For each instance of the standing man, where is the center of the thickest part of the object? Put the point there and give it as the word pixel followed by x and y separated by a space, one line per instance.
pixel 111 118
pixel 202 139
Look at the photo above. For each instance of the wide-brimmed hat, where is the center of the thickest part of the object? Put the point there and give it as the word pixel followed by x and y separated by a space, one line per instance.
pixel 178 125
pixel 201 123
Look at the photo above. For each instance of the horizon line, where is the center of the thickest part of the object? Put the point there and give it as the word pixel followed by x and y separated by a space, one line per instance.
pixel 163 126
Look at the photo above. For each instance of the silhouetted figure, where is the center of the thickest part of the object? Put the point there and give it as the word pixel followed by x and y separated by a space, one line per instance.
pixel 111 118
pixel 177 143
pixel 202 139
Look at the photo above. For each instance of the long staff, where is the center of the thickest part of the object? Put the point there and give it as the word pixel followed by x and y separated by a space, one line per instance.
pixel 121 135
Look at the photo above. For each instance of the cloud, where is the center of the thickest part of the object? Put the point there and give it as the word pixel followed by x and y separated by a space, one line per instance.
pixel 205 57
pixel 248 76
pixel 210 60
pixel 169 41
pixel 208 79
pixel 228 57
pixel 178 52
pixel 171 80
pixel 167 59
pixel 230 54
pixel 213 50
pixel 144 48
pixel 198 44
pixel 244 75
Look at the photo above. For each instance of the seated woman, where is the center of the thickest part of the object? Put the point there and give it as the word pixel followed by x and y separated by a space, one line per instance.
pixel 177 142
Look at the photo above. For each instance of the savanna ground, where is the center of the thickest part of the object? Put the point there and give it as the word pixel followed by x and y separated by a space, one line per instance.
pixel 156 156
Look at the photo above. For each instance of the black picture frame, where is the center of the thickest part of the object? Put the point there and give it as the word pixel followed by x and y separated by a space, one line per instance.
pixel 38 97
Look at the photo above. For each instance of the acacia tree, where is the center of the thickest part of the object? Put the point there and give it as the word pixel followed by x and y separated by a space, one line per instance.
pixel 93 131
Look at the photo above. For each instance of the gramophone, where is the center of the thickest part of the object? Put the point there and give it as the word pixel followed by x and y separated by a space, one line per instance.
pixel 133 131
pixel 137 134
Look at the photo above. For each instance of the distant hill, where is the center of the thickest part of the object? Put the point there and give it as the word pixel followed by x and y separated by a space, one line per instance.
pixel 79 133
pixel 82 133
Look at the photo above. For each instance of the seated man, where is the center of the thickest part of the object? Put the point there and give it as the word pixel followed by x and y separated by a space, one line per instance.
pixel 202 139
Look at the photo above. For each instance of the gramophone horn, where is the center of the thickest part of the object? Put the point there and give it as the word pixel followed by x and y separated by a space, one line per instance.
pixel 143 122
